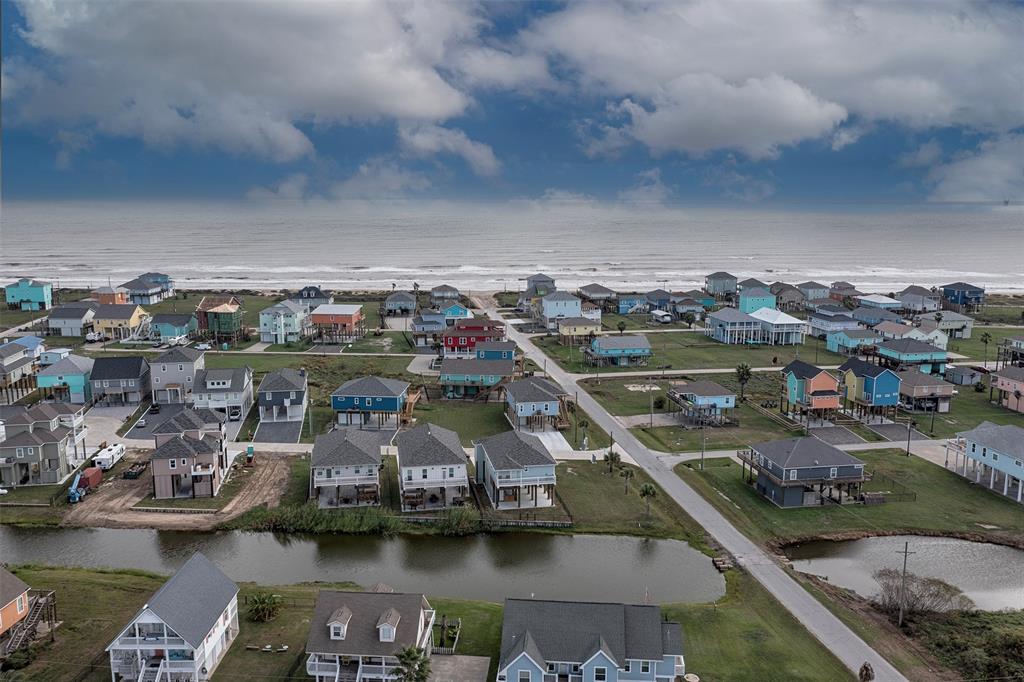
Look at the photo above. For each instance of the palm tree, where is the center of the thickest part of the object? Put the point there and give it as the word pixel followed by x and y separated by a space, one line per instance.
pixel 986 339
pixel 938 318
pixel 647 493
pixel 613 459
pixel 743 375
pixel 413 665
pixel 263 607
pixel 1017 396
pixel 689 319
pixel 627 474
pixel 621 326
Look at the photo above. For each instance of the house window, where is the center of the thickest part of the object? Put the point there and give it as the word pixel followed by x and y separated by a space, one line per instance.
pixel 184 461
pixel 188 378
pixel 30 451
pixel 163 368
pixel 337 632
pixel 21 603
pixel 291 395
pixel 408 474
pixel 387 633
pixel 645 666
pixel 551 667
pixel 600 674
pixel 451 472
pixel 833 472
pixel 424 474
pixel 525 676
pixel 106 384
pixel 792 474
pixel 369 401
pixel 995 457
pixel 20 452
pixel 171 464
pixel 156 380
pixel 131 382
pixel 181 368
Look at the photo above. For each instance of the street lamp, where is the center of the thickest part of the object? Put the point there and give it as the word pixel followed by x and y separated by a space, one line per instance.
pixel 910 425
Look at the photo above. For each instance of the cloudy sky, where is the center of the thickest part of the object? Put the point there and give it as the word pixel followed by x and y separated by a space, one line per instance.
pixel 645 103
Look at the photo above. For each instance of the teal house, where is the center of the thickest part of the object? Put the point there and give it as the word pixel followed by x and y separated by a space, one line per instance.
pixel 496 350
pixel 29 294
pixel 67 379
pixel 904 353
pixel 851 341
pixel 756 298
pixel 455 311
pixel 460 378
pixel 619 350
pixel 172 325
pixel 363 401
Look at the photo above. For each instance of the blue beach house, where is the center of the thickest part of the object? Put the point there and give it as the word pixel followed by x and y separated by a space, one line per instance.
pixel 588 642
pixel 851 341
pixel 364 400
pixel 67 379
pixel 172 325
pixel 720 284
pixel 618 350
pixel 631 303
pixel 29 294
pixel 659 299
pixel 902 353
pixel 461 377
pixel 515 470
pixel 533 403
pixel 873 316
pixel 870 389
pixel 963 294
pixel 996 455
pixel 703 402
pixel 756 298
pixel 455 311
pixel 400 303
pixel 495 350
pixel 802 472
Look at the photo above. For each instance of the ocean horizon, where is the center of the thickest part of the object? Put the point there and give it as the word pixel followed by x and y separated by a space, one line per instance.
pixel 492 247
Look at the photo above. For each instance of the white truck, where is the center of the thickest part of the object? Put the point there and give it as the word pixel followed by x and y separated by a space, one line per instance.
pixel 106 458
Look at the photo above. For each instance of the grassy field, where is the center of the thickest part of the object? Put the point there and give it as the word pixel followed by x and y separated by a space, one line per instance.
pixel 625 397
pixel 507 299
pixel 975 349
pixel 753 427
pixel 470 420
pixel 639 322
pixel 387 342
pixel 968 409
pixel 300 346
pixel 695 351
pixel 1007 313
pixel 747 635
pixel 13 318
pixel 945 503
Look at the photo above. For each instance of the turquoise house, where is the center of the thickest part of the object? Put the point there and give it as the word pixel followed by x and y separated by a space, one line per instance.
pixel 755 299
pixel 360 401
pixel 631 303
pixel 172 325
pixel 29 294
pixel 851 341
pixel 455 311
pixel 495 350
pixel 460 377
pixel 618 350
pixel 68 379
pixel 902 353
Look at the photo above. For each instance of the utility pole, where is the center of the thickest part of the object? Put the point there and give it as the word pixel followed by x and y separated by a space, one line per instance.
pixel 650 394
pixel 576 421
pixel 703 444
pixel 903 581
pixel 910 425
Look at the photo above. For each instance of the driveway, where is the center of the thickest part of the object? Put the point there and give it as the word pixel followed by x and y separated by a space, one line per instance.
pixel 458 668
pixel 154 420
pixel 554 441
pixel 278 432
pixel 103 423
pixel 897 432
pixel 836 435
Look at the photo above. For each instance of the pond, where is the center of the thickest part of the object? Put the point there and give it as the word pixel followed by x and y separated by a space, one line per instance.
pixel 991 575
pixel 489 567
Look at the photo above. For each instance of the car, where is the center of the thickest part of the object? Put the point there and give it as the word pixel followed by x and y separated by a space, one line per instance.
pixel 4 491
pixel 235 414
pixel 204 346
pixel 154 408
pixel 141 423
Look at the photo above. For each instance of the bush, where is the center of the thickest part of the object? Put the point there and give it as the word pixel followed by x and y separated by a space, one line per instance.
pixel 263 607
pixel 309 518
pixel 659 402
pixel 458 521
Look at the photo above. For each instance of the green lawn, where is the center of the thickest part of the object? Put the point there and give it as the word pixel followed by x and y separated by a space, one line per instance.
pixel 471 420
pixel 291 347
pixel 387 342
pixel 13 318
pixel 507 299
pixel 234 485
pixel 747 635
pixel 595 436
pixel 968 409
pixel 695 351
pixel 945 503
pixel 625 397
pixel 1000 314
pixel 640 322
pixel 975 349
pixel 753 427
pixel 30 494
pixel 186 302
pixel 481 627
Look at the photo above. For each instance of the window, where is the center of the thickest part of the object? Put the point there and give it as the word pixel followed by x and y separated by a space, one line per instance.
pixel 451 472
pixel 106 384
pixel 30 451
pixel 291 395
pixel 600 674
pixel 369 401
pixel 156 380
pixel 184 461
pixel 171 464
pixel 525 676
pixel 20 452
pixel 792 474
pixel 387 633
pixel 551 667
pixel 21 603
pixel 131 382
pixel 337 631
pixel 833 472
pixel 408 474
pixel 995 457
pixel 163 368
pixel 424 476
pixel 181 368
pixel 645 666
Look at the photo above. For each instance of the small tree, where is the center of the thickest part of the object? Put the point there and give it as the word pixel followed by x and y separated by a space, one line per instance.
pixel 743 375
pixel 263 607
pixel 627 474
pixel 621 326
pixel 1017 396
pixel 647 493
pixel 938 318
pixel 613 459
pixel 689 318
pixel 659 402
pixel 413 665
pixel 917 594
pixel 986 339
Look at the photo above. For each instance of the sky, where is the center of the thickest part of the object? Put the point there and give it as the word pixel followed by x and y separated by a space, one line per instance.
pixel 638 103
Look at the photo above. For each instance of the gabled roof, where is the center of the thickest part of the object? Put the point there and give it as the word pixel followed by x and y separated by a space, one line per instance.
pixel 657 295
pixel 400 296
pixel 178 354
pixel 802 370
pixel 210 303
pixel 337 309
pixel 9 350
pixel 773 316
pixel 947 316
pixel 721 274
pixel 515 450
pixel 477 366
pixel 894 328
pixel 876 298
pixel 429 445
pixel 119 367
pixel 862 368
pixel 811 285
pixel 11 587
pixel 116 311
pixel 372 387
pixel 622 341
pixel 29 342
pixel 560 296
pixel 573 632
pixel 913 377
pixel 346 447
pixel 962 286
pixel 73 311
pixel 193 599
pixel 859 333
pixel 189 420
pixel 72 364
pixel 915 290
pixel 237 378
pixel 284 379
pixel 806 451
pixel 1007 439
pixel 755 291
pixel 908 346
pixel 1011 372
pixel 187 446
pixel 596 289
pixel 753 283
pixel 286 307
pixel 731 315
pixel 533 390
pixel 362 638
pixel 704 388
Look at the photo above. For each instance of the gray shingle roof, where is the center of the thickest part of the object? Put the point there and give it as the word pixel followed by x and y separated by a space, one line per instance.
pixel 400 296
pixel 807 451
pixel 533 390
pixel 285 307
pixel 372 387
pixel 444 289
pixel 627 341
pixel 367 609
pixel 862 368
pixel 803 370
pixel 1012 373
pixel 72 364
pixel 193 599
pixel 908 346
pixel 116 311
pixel 731 315
pixel 913 377
pixel 429 445
pixel 190 420
pixel 515 450
pixel 1007 439
pixel 496 345
pixel 476 366
pixel 573 631
pixel 720 275
pixel 236 377
pixel 560 296
pixel 757 291
pixel 72 311
pixel 120 367
pixel 285 379
pixel 178 354
pixel 596 289
pixel 186 446
pixel 346 447
pixel 11 587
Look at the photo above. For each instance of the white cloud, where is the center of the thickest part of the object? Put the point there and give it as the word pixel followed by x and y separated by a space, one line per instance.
pixel 992 173
pixel 927 154
pixel 380 178
pixel 292 188
pixel 485 66
pixel 427 140
pixel 847 135
pixel 649 191
pixel 69 144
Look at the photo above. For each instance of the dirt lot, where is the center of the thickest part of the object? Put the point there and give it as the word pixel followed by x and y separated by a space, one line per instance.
pixel 112 505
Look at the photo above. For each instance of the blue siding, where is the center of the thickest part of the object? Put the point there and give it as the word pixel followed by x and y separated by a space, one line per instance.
pixel 347 403
pixel 883 390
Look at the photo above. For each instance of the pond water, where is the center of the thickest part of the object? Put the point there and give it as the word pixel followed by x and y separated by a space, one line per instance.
pixel 491 567
pixel 991 575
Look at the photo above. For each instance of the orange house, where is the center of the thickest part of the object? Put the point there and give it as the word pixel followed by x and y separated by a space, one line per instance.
pixel 111 295
pixel 337 322
pixel 14 600
pixel 810 389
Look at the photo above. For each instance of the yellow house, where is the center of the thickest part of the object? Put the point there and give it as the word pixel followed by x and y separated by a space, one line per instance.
pixel 573 331
pixel 119 320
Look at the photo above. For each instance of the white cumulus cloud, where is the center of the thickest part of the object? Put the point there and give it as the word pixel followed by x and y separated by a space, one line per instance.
pixel 992 173
pixel 428 140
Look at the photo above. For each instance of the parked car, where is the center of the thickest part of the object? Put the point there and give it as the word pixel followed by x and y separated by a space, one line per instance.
pixel 235 413
pixel 154 408
pixel 204 346
pixel 141 423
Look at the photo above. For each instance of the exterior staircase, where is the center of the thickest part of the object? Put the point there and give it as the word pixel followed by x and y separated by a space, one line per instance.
pixel 25 630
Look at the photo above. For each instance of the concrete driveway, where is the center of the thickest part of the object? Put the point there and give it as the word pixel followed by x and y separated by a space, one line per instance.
pixel 836 435
pixel 154 420
pixel 103 423
pixel 458 668
pixel 897 432
pixel 278 432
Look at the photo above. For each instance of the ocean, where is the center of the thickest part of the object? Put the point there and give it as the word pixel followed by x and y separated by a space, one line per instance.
pixel 492 247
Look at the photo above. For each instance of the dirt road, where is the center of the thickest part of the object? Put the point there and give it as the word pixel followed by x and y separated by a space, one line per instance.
pixel 112 505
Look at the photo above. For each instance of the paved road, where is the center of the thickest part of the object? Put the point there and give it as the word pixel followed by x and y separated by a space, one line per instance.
pixel 829 630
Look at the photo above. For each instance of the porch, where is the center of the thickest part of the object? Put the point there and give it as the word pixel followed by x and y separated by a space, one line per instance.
pixel 523 493
pixel 340 496
pixel 434 497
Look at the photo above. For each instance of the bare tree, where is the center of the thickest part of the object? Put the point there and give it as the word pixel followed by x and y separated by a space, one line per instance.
pixel 919 594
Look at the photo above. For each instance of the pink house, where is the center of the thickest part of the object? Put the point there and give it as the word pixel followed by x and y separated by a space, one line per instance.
pixel 1009 381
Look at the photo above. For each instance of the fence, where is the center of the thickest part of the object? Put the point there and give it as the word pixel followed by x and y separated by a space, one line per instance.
pixel 448 650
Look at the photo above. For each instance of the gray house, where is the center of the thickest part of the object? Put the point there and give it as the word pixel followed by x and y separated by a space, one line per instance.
pixel 190 459
pixel 310 297
pixel 802 472
pixel 121 380
pixel 224 390
pixel 546 640
pixel 345 468
pixel 36 444
pixel 72 319
pixel 444 293
pixel 283 396
pixel 400 303
pixel 720 284
pixel 173 374
pixel 787 296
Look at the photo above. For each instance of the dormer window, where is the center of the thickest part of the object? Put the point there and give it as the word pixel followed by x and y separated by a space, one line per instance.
pixel 337 624
pixel 387 624
pixel 338 631
pixel 387 633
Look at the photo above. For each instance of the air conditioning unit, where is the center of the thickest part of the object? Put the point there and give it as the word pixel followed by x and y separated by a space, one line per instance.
pixel 6 460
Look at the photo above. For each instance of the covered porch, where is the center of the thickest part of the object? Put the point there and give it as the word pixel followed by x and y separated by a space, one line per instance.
pixel 431 498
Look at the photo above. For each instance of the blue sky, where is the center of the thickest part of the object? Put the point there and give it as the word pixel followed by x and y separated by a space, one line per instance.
pixel 645 103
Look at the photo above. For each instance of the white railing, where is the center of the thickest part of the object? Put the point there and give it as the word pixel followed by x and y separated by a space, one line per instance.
pixel 434 482
pixel 202 469
pixel 314 666
pixel 150 642
pixel 372 479
pixel 504 481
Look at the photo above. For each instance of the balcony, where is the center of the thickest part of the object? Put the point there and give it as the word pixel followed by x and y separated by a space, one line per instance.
pixel 364 479
pixel 203 469
pixel 153 641
pixel 504 481
pixel 443 482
